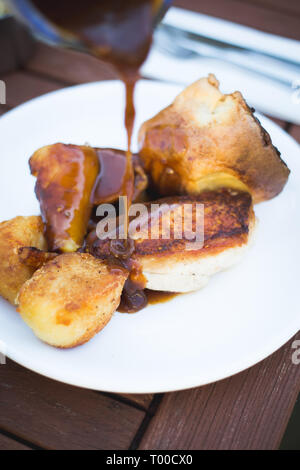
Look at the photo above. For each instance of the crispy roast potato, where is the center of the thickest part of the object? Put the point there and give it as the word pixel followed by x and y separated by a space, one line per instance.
pixel 34 257
pixel 66 175
pixel 205 141
pixel 70 299
pixel 15 234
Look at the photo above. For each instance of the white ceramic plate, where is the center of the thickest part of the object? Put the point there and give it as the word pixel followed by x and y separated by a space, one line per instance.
pixel 241 317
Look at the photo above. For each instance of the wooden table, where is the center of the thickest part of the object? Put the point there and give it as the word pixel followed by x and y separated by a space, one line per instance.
pixel 247 411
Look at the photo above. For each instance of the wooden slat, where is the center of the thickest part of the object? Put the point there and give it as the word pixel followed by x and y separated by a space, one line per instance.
pixel 290 7
pixel 68 66
pixel 295 132
pixel 3 109
pixel 141 400
pixel 21 87
pixel 249 14
pixel 57 416
pixel 247 411
pixel 6 443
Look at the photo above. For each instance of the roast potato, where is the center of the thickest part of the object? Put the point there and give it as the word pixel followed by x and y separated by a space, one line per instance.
pixel 15 234
pixel 70 299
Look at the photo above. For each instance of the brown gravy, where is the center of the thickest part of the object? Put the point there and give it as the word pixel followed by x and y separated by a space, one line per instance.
pixel 112 174
pixel 159 297
pixel 147 297
pixel 119 32
pixel 115 30
pixel 110 182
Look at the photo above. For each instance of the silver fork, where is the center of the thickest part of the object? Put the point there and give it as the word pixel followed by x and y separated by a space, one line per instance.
pixel 182 46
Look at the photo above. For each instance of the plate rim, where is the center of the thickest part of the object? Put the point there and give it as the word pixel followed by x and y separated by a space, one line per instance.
pixel 234 369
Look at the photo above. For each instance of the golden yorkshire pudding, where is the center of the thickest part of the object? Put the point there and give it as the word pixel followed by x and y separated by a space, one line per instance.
pixel 70 299
pixel 206 140
pixel 14 235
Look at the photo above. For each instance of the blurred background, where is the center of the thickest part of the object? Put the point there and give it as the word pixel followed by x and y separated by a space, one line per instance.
pixel 3 8
pixel 251 45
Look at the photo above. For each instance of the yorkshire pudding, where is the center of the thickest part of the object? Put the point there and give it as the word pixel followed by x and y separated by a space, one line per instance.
pixel 205 141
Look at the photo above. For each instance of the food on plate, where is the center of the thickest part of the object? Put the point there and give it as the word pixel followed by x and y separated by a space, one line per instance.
pixel 70 180
pixel 35 257
pixel 15 234
pixel 206 140
pixel 70 299
pixel 182 265
pixel 111 182
pixel 206 152
pixel 66 175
